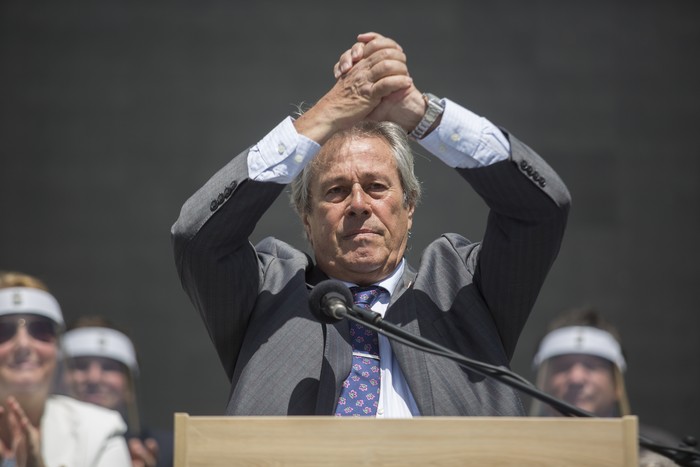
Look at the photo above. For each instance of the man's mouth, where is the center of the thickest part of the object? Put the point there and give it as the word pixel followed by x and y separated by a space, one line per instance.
pixel 360 233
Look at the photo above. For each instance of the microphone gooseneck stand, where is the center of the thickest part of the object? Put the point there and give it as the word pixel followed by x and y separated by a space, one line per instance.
pixel 332 305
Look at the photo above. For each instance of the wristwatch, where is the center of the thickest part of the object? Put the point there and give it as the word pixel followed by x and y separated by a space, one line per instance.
pixel 434 109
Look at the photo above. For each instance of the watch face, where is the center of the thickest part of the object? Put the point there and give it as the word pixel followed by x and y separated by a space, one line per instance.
pixel 433 110
pixel 435 101
pixel 436 106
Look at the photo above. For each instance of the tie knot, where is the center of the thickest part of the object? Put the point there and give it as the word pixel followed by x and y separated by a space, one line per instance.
pixel 366 296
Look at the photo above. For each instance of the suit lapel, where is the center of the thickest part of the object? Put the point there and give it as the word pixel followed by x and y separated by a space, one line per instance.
pixel 337 360
pixel 402 312
pixel 337 356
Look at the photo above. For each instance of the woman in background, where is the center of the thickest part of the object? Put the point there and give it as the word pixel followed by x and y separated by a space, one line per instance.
pixel 101 368
pixel 36 428
pixel 580 361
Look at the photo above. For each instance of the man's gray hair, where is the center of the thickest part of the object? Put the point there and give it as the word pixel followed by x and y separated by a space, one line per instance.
pixel 392 134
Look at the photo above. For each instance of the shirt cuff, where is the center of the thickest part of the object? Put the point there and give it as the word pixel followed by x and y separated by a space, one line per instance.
pixel 466 140
pixel 281 155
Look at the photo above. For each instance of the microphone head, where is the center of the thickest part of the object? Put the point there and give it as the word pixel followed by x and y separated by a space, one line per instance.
pixel 320 294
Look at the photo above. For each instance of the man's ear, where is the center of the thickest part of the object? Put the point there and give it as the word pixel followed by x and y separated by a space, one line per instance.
pixel 307 227
pixel 411 209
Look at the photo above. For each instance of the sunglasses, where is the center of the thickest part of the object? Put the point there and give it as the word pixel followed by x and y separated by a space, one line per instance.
pixel 41 329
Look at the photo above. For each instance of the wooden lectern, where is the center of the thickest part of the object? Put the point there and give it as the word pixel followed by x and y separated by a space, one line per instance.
pixel 458 441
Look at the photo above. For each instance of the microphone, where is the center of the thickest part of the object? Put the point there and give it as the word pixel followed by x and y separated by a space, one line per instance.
pixel 330 300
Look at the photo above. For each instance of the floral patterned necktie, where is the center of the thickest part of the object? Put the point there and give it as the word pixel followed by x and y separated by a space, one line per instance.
pixel 359 395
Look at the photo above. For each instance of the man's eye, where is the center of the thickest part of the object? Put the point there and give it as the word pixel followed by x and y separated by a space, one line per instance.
pixel 336 193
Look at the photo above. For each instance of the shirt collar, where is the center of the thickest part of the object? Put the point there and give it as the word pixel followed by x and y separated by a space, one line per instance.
pixel 390 282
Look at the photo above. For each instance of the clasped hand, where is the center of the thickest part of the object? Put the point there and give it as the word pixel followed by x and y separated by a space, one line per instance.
pixel 372 83
pixel 19 439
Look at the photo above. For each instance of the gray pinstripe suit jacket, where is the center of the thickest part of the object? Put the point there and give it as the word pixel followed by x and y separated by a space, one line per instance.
pixel 473 298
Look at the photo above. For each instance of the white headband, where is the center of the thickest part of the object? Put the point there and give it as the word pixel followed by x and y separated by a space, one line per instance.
pixel 100 342
pixel 18 300
pixel 580 340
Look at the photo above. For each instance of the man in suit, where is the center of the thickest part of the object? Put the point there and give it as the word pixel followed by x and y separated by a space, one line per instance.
pixel 355 191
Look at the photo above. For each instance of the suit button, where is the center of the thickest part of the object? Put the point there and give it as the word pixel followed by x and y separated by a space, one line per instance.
pixel 227 192
pixel 524 165
pixel 536 176
pixel 542 182
pixel 233 185
pixel 220 198
pixel 213 205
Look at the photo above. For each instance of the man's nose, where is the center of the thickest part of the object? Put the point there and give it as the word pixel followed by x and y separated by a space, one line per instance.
pixel 358 200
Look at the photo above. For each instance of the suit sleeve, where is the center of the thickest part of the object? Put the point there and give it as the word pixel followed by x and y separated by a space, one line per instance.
pixel 529 206
pixel 217 265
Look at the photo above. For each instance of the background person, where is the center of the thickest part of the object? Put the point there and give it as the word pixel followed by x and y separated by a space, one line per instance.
pixel 101 367
pixel 37 428
pixel 581 361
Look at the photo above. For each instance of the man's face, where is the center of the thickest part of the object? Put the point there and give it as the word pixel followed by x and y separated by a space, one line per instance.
pixel 358 223
pixel 98 380
pixel 585 381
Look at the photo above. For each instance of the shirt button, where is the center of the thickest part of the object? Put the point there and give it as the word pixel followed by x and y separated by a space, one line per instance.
pixel 455 137
pixel 281 148
pixel 298 159
pixel 380 411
